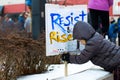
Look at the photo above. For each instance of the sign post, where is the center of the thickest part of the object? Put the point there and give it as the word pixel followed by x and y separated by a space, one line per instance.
pixel 66 68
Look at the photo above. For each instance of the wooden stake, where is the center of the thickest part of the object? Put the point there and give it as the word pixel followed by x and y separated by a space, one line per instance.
pixel 66 68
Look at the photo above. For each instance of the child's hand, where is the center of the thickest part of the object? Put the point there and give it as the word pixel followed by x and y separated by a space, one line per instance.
pixel 65 57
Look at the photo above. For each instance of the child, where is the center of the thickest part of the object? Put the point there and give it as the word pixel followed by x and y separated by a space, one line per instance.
pixel 98 50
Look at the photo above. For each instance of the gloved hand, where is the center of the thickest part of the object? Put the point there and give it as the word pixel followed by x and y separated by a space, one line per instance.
pixel 65 57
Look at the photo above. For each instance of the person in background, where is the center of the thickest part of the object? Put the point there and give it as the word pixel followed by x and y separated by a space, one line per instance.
pixel 27 24
pixel 100 9
pixel 118 22
pixel 28 21
pixel 97 49
pixel 21 21
pixel 8 23
pixel 112 33
pixel 1 21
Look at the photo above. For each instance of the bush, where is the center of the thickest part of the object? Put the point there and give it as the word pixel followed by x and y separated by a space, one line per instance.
pixel 20 55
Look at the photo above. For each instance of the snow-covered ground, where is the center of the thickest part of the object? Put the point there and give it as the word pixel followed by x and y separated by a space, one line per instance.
pixel 90 74
pixel 55 72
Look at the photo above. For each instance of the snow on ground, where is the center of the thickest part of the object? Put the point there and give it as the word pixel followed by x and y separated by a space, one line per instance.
pixel 57 71
pixel 91 74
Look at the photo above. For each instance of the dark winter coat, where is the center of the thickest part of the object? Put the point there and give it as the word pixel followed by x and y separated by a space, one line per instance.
pixel 118 21
pixel 113 30
pixel 100 51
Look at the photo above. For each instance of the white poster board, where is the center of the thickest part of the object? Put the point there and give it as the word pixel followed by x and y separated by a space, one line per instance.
pixel 116 7
pixel 60 20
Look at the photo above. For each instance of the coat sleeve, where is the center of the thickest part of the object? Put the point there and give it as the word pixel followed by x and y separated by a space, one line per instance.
pixel 85 54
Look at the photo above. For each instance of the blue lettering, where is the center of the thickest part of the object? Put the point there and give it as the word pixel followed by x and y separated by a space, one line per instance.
pixel 61 22
pixel 76 18
pixel 56 19
pixel 67 24
pixel 83 15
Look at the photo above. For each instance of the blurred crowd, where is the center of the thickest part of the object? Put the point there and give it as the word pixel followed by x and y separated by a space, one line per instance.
pixel 21 23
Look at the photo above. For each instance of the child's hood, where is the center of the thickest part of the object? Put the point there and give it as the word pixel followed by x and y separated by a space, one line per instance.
pixel 83 30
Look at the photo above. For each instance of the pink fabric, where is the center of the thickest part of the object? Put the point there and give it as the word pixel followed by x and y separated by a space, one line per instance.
pixel 100 4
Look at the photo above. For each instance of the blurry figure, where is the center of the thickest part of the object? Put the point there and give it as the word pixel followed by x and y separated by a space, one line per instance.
pixel 100 9
pixel 112 33
pixel 99 30
pixel 1 21
pixel 21 21
pixel 118 22
pixel 28 19
pixel 8 22
pixel 27 24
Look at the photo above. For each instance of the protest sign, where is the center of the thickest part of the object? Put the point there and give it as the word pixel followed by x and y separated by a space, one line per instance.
pixel 60 21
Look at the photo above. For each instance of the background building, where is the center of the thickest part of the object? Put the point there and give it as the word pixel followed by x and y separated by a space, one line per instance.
pixel 13 6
